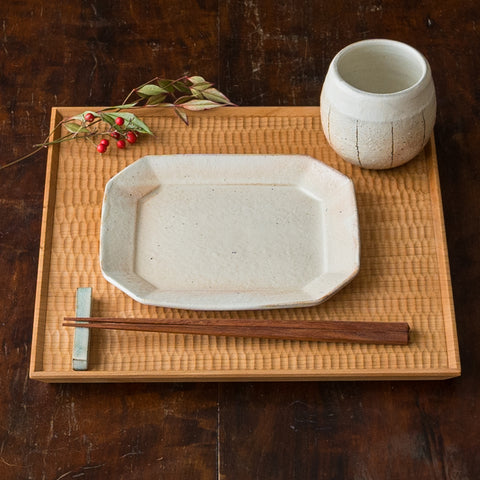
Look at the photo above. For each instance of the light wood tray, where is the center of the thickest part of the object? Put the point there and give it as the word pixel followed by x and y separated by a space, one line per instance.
pixel 404 272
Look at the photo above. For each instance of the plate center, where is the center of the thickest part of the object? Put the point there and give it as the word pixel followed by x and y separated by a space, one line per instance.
pixel 229 237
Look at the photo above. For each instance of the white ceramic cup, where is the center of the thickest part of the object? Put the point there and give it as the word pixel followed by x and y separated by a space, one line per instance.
pixel 378 103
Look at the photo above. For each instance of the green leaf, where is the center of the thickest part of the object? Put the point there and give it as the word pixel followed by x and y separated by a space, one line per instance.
pixel 200 87
pixel 81 116
pixel 196 93
pixel 75 128
pixel 133 122
pixel 216 96
pixel 196 79
pixel 184 99
pixel 165 104
pixel 120 107
pixel 151 90
pixel 197 105
pixel 156 99
pixel 167 85
pixel 182 115
pixel 108 118
pixel 181 87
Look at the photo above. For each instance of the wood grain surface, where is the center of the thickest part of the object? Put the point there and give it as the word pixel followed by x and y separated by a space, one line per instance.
pixel 258 53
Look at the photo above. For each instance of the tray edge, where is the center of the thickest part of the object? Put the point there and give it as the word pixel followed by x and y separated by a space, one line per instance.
pixel 49 199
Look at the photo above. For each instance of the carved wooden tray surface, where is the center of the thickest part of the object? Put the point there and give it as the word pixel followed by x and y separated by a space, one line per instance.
pixel 404 272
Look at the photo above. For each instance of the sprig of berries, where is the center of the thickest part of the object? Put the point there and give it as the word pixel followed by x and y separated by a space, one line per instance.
pixel 124 127
pixel 189 93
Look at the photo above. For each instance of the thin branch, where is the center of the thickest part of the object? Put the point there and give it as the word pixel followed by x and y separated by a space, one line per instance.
pixel 181 86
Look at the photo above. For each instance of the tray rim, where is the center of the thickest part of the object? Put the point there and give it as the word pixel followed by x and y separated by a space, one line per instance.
pixel 111 376
pixel 453 369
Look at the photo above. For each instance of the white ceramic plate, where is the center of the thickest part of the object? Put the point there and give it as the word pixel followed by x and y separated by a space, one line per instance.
pixel 229 232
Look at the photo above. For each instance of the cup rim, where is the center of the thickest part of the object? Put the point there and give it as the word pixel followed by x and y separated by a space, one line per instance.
pixel 382 41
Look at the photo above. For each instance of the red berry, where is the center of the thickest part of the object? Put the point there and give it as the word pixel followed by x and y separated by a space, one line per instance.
pixel 105 142
pixel 89 117
pixel 121 144
pixel 115 134
pixel 131 137
pixel 101 148
pixel 119 121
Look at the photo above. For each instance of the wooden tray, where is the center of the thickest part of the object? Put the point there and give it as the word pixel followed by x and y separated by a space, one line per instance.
pixel 404 272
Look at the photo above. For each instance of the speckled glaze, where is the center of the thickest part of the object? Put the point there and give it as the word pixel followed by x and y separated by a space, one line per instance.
pixel 229 232
pixel 378 103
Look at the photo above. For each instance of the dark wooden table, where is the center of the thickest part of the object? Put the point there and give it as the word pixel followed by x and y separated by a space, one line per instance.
pixel 258 53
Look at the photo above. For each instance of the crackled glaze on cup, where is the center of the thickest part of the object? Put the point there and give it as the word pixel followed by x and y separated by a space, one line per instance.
pixel 378 103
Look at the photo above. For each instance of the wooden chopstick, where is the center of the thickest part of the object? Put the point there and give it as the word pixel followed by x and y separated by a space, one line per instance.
pixel 388 333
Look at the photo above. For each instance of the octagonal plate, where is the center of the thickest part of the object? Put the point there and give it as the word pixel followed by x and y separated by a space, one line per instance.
pixel 229 232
